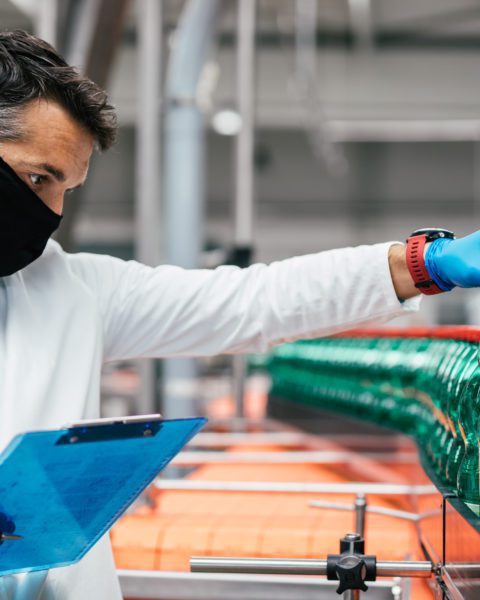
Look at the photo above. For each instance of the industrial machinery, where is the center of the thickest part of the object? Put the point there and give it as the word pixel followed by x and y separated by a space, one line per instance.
pixel 272 510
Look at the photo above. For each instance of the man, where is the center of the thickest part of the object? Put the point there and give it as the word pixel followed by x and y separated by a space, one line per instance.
pixel 62 316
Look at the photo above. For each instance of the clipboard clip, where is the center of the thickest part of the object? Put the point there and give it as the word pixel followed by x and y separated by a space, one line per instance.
pixel 114 421
pixel 107 430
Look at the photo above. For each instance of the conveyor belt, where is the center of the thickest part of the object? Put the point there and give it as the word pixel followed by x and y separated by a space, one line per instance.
pixel 244 503
pixel 181 524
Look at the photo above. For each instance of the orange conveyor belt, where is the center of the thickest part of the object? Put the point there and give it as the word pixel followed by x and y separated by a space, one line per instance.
pixel 180 524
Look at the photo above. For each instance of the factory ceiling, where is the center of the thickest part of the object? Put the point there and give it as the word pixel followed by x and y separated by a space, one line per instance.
pixel 390 24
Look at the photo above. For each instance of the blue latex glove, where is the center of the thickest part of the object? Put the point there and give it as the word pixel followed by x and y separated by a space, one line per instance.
pixel 453 263
pixel 6 524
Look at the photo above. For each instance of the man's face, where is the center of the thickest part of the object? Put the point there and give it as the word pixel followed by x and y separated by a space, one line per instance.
pixel 53 155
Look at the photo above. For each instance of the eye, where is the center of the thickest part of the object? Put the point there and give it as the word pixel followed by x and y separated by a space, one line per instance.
pixel 36 179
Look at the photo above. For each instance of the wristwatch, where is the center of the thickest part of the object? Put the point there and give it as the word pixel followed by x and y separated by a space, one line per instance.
pixel 415 260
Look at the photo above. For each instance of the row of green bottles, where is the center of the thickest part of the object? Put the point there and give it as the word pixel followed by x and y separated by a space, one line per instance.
pixel 427 388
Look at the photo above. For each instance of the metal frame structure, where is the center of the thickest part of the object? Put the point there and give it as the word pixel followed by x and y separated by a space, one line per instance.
pixel 388 489
pixel 88 33
pixel 158 585
pixel 285 457
pixel 244 168
pixel 148 165
pixel 184 173
pixel 457 570
pixel 292 566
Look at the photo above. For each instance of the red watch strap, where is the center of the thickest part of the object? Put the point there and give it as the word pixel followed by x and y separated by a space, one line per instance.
pixel 416 266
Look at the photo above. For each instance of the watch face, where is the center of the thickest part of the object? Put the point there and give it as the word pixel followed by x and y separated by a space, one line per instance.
pixel 434 233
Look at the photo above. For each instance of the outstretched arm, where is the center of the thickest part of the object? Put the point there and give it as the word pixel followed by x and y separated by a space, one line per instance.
pixel 169 311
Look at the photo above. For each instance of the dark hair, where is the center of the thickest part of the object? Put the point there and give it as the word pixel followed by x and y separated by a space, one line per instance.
pixel 31 69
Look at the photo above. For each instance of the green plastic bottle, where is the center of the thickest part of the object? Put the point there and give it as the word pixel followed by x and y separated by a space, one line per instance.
pixel 425 387
pixel 468 482
pixel 454 379
pixel 429 381
pixel 455 447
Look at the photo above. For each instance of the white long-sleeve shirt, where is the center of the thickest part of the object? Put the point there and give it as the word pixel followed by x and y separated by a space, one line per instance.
pixel 65 315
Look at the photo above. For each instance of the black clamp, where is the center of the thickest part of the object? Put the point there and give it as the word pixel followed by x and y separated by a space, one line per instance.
pixel 351 567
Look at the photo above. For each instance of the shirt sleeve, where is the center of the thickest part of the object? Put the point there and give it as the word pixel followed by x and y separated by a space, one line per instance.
pixel 169 311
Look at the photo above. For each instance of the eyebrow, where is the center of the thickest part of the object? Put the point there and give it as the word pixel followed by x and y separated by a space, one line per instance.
pixel 57 173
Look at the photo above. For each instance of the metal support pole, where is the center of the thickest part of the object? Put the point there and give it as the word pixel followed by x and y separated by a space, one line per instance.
pixel 258 566
pixel 295 566
pixel 47 20
pixel 306 23
pixel 244 193
pixel 308 87
pixel 244 171
pixel 384 489
pixel 150 28
pixel 285 457
pixel 89 36
pixel 184 174
pixel 360 509
pixel 376 510
pixel 361 22
pixel 77 46
pixel 239 375
pixel 148 164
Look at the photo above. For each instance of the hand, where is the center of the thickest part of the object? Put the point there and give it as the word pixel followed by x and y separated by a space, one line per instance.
pixel 453 263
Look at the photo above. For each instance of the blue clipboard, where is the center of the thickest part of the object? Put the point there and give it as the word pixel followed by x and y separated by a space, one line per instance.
pixel 60 491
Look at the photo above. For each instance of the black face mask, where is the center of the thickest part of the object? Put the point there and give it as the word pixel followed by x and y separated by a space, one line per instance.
pixel 26 223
